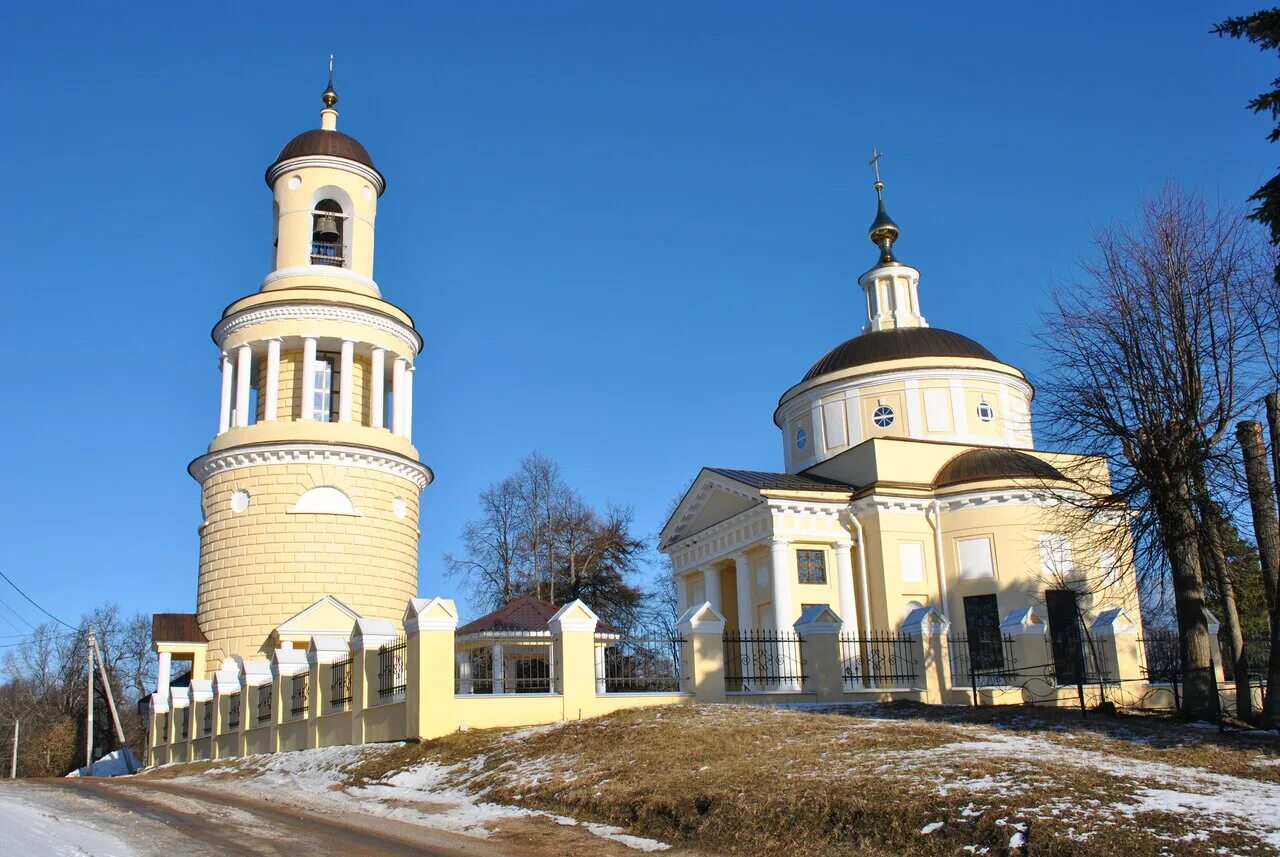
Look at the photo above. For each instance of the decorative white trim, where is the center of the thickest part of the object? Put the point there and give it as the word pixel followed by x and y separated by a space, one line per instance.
pixel 559 624
pixel 303 162
pixel 328 649
pixel 201 689
pixel 289 662
pixel 818 619
pixel 414 621
pixel 372 633
pixel 285 629
pixel 696 498
pixel 310 453
pixel 701 619
pixel 322 312
pixel 320 271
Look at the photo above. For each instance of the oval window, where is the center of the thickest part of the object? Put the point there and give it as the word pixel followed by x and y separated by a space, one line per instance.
pixel 986 413
pixel 802 438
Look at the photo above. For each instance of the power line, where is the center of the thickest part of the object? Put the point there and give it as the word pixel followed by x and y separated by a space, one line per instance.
pixel 21 618
pixel 33 604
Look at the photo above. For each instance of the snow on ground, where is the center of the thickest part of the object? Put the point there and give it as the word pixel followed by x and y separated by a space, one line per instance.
pixel 35 832
pixel 114 764
pixel 422 794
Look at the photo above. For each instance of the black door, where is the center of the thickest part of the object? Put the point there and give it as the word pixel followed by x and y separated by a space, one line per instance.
pixel 1064 635
pixel 986 649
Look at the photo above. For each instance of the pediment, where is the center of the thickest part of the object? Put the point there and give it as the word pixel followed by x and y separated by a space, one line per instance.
pixel 328 616
pixel 711 498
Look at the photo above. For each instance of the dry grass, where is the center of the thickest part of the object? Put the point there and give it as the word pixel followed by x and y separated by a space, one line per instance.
pixel 868 781
pixel 758 781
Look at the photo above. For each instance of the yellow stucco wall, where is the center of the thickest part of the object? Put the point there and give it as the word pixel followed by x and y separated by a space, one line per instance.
pixel 261 566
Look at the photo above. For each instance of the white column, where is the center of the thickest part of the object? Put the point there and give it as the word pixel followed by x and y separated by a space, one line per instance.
pixel 224 412
pixel 601 686
pixel 271 407
pixel 345 381
pixel 397 396
pixel 308 378
pixel 407 416
pixel 465 685
pixel 682 592
pixel 244 380
pixel 780 557
pixel 499 669
pixel 162 676
pixel 844 585
pixel 377 366
pixel 746 621
pixel 742 571
pixel 711 584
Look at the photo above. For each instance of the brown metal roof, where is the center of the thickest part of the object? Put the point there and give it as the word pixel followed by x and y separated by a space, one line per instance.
pixel 318 141
pixel 897 344
pixel 978 465
pixel 525 613
pixel 176 628
pixel 782 481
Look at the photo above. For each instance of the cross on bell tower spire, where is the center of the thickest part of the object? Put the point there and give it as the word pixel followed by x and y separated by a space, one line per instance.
pixel 883 230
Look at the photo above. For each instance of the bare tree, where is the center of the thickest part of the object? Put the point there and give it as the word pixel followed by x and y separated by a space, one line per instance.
pixel 1262 500
pixel 494 543
pixel 1148 355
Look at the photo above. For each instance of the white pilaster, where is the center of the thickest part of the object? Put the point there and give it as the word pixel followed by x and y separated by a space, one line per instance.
pixel 224 411
pixel 345 382
pixel 244 379
pixel 377 393
pixel 844 584
pixel 711 586
pixel 308 378
pixel 601 684
pixel 162 675
pixel 271 407
pixel 780 557
pixel 499 668
pixel 398 395
pixel 742 573
pixel 682 593
pixel 409 371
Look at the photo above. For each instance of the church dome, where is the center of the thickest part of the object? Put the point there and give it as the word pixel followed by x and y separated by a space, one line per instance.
pixel 900 343
pixel 980 465
pixel 324 142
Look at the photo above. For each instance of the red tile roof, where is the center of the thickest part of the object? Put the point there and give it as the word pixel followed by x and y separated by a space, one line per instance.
pixel 525 613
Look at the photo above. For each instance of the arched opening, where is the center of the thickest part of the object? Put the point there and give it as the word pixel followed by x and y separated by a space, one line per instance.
pixel 328 234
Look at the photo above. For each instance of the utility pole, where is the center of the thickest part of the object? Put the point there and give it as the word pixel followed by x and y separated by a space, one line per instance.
pixel 88 732
pixel 115 718
pixel 13 766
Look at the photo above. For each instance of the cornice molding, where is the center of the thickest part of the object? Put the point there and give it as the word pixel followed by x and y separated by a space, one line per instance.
pixel 327 271
pixel 316 312
pixel 310 453
pixel 300 163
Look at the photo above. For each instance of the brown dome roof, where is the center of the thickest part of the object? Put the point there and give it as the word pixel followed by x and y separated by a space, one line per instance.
pixel 979 465
pixel 318 141
pixel 899 343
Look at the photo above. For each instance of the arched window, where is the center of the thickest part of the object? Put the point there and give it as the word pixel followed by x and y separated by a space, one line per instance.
pixel 328 233
pixel 325 500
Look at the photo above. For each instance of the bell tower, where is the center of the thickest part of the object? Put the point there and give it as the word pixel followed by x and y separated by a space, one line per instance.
pixel 310 486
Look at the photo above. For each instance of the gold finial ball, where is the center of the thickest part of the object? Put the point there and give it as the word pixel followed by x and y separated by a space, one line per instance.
pixel 329 97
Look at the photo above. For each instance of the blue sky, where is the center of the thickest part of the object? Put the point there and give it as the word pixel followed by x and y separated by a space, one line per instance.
pixel 623 229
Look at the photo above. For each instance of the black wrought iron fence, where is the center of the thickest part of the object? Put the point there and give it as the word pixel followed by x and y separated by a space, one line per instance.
pixel 340 684
pixel 207 724
pixel 233 712
pixel 1075 658
pixel 982 660
pixel 508 664
pixel 878 660
pixel 1162 657
pixel 760 660
pixel 391 670
pixel 264 703
pixel 1257 655
pixel 639 665
pixel 186 724
pixel 298 699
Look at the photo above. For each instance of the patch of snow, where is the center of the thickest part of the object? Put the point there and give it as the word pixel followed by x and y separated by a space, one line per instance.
pixel 117 763
pixel 1018 840
pixel 34 832
pixel 932 826
pixel 616 834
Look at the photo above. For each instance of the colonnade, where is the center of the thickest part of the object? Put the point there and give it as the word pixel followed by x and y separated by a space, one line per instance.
pixel 238 381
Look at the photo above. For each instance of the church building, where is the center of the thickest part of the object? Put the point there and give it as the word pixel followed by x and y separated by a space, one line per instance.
pixel 309 488
pixel 910 480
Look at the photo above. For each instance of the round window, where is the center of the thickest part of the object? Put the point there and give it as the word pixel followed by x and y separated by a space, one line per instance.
pixel 802 438
pixel 883 416
pixel 986 413
pixel 240 501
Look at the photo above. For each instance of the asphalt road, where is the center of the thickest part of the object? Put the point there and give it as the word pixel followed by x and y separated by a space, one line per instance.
pixel 155 818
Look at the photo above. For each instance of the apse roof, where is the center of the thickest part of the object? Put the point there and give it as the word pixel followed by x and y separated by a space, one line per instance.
pixel 781 481
pixel 978 465
pixel 320 141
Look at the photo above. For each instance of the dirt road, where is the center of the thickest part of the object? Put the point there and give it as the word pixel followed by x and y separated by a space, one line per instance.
pixel 130 817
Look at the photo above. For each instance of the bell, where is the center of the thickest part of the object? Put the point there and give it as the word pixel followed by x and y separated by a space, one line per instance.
pixel 327 228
